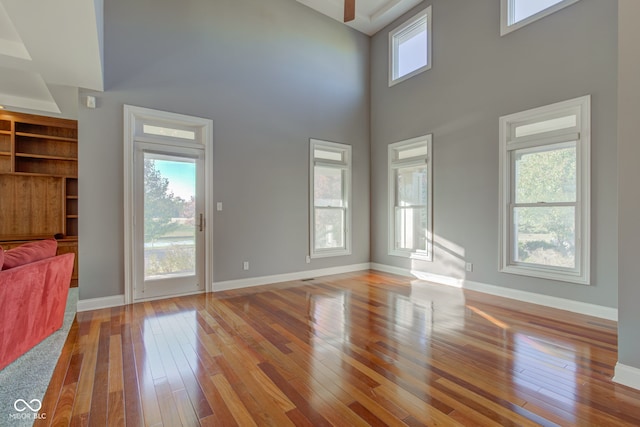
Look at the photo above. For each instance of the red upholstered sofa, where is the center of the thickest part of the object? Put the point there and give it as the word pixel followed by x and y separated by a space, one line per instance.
pixel 34 284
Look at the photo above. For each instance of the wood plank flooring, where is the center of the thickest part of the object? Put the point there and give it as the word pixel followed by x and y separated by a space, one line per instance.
pixel 348 350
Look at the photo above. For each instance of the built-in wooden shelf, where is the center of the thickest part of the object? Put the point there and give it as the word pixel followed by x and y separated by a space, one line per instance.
pixel 49 137
pixel 39 181
pixel 43 156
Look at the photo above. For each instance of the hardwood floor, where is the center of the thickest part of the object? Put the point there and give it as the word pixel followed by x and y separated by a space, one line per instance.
pixel 348 350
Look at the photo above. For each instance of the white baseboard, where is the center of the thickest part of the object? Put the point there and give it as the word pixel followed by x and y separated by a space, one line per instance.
pixel 531 297
pixel 534 298
pixel 98 303
pixel 286 277
pixel 627 375
pixel 118 300
pixel 600 311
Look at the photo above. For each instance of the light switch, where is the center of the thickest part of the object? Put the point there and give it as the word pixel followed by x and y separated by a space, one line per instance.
pixel 219 206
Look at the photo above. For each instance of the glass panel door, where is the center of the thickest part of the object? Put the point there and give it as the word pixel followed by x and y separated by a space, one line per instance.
pixel 170 235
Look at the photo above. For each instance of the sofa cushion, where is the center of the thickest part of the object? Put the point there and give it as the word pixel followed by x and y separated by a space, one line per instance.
pixel 29 252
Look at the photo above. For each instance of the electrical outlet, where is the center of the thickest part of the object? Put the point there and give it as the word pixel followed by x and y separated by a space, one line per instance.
pixel 468 266
pixel 219 206
pixel 245 265
pixel 308 259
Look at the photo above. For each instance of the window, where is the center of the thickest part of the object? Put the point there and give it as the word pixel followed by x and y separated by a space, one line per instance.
pixel 168 132
pixel 410 48
pixel 330 182
pixel 545 191
pixel 410 198
pixel 516 14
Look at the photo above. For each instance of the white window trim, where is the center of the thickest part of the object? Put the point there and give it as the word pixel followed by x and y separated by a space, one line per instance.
pixel 391 166
pixel 506 14
pixel 426 13
pixel 134 120
pixel 344 165
pixel 581 133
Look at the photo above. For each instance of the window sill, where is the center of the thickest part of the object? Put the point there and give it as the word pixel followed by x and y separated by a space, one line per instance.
pixel 540 273
pixel 413 255
pixel 330 254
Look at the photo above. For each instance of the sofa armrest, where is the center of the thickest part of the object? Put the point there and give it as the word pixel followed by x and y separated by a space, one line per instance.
pixel 33 299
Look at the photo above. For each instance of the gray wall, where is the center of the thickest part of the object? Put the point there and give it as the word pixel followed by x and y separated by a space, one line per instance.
pixel 271 74
pixel 478 76
pixel 628 179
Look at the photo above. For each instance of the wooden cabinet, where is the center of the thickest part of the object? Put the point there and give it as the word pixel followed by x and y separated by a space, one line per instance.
pixel 66 246
pixel 39 181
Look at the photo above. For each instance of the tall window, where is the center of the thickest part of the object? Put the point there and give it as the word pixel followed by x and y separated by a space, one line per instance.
pixel 545 191
pixel 410 198
pixel 410 48
pixel 515 14
pixel 330 182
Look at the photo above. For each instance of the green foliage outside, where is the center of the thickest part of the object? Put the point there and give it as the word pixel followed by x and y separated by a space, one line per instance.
pixel 175 259
pixel 546 235
pixel 160 205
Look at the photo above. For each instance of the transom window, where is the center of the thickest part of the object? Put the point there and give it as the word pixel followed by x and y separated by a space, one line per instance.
pixel 410 198
pixel 545 191
pixel 515 14
pixel 410 48
pixel 168 132
pixel 330 182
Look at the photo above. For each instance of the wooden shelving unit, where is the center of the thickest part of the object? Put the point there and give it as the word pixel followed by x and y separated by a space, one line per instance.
pixel 39 181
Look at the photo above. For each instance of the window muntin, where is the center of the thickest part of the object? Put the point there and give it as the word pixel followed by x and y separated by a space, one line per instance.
pixel 410 48
pixel 545 192
pixel 410 199
pixel 330 173
pixel 518 13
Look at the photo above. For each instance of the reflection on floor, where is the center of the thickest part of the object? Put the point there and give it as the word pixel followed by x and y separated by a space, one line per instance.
pixel 347 350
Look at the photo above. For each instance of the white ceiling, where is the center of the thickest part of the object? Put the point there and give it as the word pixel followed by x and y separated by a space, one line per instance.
pixel 48 43
pixel 371 15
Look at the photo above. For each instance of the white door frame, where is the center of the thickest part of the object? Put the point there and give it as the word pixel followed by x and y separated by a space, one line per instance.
pixel 134 119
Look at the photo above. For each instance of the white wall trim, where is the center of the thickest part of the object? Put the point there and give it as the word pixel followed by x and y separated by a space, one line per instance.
pixel 627 375
pixel 133 119
pixel 98 303
pixel 530 297
pixel 510 144
pixel 624 374
pixel 505 28
pixel 393 163
pixel 286 277
pixel 346 166
pixel 119 300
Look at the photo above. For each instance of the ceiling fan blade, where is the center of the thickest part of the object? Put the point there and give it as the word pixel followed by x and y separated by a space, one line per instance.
pixel 349 10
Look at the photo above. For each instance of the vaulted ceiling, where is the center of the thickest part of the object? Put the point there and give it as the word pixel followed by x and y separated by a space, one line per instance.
pixel 45 44
pixel 49 44
pixel 371 15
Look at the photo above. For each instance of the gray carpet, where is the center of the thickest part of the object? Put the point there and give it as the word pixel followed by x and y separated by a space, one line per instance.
pixel 28 377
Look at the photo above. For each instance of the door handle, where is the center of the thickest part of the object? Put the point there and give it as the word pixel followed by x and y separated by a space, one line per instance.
pixel 201 222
